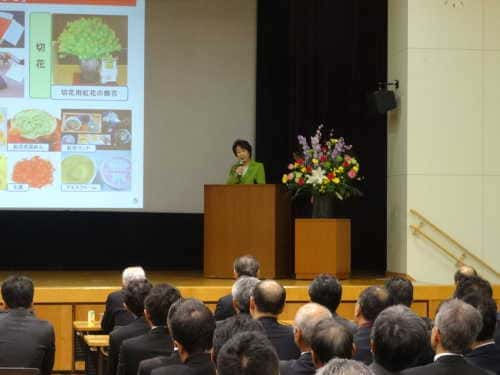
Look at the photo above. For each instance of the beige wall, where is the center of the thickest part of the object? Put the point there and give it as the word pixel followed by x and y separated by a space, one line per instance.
pixel 443 158
pixel 200 96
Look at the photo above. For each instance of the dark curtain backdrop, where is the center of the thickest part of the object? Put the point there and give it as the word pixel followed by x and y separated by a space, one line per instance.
pixel 317 62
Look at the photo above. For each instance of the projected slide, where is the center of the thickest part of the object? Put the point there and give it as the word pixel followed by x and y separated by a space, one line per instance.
pixel 71 104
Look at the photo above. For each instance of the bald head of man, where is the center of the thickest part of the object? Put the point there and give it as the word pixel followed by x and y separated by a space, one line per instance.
pixel 268 299
pixel 463 273
pixel 306 319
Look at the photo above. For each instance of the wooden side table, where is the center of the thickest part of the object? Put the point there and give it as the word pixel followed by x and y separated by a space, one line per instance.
pixel 322 246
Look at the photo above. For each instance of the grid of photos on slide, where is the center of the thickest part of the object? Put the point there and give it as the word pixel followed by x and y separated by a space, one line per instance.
pixel 69 150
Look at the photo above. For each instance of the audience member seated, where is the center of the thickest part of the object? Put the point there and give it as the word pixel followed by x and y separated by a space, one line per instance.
pixel 25 340
pixel 331 340
pixel 306 319
pixel 341 366
pixel 326 290
pixel 157 341
pixel 398 337
pixel 400 291
pixel 248 353
pixel 115 313
pixel 241 292
pixel 192 326
pixel 473 285
pixel 371 302
pixel 463 273
pixel 478 285
pixel 229 327
pixel 246 265
pixel 485 353
pixel 135 294
pixel 266 304
pixel 456 327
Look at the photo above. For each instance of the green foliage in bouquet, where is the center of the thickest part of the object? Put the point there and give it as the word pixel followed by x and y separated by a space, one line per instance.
pixel 88 38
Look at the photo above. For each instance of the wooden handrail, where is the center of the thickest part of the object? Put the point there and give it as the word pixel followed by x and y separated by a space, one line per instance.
pixel 465 251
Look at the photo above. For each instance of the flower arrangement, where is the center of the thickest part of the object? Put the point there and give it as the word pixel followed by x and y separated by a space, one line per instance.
pixel 323 167
pixel 88 38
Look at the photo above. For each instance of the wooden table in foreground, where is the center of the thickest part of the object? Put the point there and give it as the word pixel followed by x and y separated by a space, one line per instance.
pixel 97 343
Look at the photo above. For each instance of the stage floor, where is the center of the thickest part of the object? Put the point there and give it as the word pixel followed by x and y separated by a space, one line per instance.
pixel 112 279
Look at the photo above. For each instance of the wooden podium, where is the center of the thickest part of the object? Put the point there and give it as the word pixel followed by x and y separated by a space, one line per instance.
pixel 247 219
pixel 322 246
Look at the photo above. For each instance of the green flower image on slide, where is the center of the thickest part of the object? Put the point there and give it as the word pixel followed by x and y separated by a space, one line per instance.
pixel 88 38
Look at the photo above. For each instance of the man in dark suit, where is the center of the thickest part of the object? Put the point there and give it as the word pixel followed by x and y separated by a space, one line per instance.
pixel 326 290
pixel 456 326
pixel 485 353
pixel 157 341
pixel 229 327
pixel 330 339
pixel 249 353
pixel 25 341
pixel 192 327
pixel 371 302
pixel 135 294
pixel 306 318
pixel 266 304
pixel 398 336
pixel 115 313
pixel 246 265
pixel 148 365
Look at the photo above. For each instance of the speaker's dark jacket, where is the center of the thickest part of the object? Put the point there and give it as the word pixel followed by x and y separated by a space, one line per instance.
pixel 281 337
pixel 450 364
pixel 119 335
pixel 26 341
pixel 154 343
pixel 196 364
pixel 302 366
pixel 148 365
pixel 224 308
pixel 115 314
pixel 487 357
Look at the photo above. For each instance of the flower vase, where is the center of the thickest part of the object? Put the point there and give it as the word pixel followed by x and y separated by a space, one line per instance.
pixel 89 71
pixel 322 206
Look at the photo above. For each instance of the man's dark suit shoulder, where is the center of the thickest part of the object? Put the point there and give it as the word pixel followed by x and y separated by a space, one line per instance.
pixel 116 338
pixel 148 365
pixel 362 342
pixel 198 364
pixel 224 308
pixel 115 314
pixel 486 357
pixel 26 341
pixel 302 366
pixel 281 336
pixel 446 365
pixel 154 343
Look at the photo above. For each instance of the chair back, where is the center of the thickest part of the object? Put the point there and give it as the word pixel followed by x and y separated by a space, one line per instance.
pixel 19 371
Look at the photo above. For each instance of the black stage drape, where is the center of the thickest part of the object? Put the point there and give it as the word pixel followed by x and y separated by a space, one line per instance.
pixel 317 61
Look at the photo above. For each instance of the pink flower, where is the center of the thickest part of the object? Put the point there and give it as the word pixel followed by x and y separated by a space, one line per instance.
pixel 347 158
pixel 290 166
pixel 290 176
pixel 351 173
pixel 323 158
